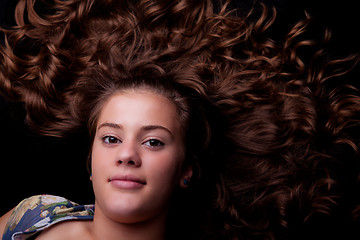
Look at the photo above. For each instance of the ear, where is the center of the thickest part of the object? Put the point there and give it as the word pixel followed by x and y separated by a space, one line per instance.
pixel 186 177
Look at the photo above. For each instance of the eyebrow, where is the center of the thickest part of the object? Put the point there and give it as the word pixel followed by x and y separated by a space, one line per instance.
pixel 144 128
pixel 154 127
pixel 112 125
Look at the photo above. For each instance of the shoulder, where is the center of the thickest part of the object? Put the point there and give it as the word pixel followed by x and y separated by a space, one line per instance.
pixel 30 209
pixel 3 221
pixel 37 213
pixel 67 230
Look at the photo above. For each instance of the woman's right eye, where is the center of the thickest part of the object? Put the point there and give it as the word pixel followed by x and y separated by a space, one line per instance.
pixel 110 140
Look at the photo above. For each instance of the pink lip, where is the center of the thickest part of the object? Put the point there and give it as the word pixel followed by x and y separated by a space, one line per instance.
pixel 127 182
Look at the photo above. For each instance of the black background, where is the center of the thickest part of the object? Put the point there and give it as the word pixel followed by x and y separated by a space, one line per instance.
pixel 31 164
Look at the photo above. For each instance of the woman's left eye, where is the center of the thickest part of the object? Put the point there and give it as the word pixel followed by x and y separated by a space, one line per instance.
pixel 154 143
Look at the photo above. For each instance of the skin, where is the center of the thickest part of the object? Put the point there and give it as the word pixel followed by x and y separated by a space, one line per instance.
pixel 137 163
pixel 3 220
pixel 146 143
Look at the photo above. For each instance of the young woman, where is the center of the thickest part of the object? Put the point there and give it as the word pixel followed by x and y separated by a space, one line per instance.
pixel 138 161
pixel 150 124
pixel 201 126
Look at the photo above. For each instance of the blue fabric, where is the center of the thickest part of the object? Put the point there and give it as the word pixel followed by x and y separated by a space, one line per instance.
pixel 39 212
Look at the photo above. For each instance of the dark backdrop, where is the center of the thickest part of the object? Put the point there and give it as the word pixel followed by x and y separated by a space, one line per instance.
pixel 32 164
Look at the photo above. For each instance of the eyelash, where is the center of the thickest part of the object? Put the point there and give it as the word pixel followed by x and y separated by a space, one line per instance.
pixel 149 143
pixel 158 143
pixel 110 139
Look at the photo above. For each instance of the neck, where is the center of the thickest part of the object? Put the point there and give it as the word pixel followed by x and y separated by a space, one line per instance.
pixel 106 228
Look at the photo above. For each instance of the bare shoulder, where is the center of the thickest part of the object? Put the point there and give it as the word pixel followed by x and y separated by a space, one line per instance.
pixel 3 221
pixel 74 229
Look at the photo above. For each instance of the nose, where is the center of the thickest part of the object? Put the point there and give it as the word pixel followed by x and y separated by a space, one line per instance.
pixel 128 155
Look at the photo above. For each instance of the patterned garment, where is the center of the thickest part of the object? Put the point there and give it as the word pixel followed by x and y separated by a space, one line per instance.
pixel 39 212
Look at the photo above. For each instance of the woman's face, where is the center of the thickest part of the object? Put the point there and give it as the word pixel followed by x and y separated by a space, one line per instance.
pixel 137 156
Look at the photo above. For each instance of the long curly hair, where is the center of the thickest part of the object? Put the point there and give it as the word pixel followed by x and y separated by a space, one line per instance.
pixel 279 120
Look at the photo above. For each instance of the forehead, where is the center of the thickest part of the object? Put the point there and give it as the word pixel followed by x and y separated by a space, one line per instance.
pixel 140 107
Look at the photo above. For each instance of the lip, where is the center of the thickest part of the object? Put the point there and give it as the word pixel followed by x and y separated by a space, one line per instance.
pixel 128 182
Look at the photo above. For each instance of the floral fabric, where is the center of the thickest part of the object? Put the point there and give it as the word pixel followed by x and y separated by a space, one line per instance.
pixel 39 212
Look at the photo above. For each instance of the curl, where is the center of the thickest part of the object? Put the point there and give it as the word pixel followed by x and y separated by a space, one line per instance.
pixel 281 113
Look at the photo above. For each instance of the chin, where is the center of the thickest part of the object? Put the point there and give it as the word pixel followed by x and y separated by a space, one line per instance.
pixel 134 214
pixel 125 211
pixel 131 217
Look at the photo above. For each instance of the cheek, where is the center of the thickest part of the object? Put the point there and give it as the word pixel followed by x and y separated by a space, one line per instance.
pixel 94 154
pixel 166 168
pixel 98 156
pixel 98 171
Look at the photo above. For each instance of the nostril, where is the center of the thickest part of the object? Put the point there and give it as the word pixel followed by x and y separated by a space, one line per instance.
pixel 127 162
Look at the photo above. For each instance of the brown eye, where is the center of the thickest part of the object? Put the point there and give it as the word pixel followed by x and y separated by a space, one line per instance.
pixel 154 143
pixel 111 140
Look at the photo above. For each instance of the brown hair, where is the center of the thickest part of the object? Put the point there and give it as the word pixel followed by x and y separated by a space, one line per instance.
pixel 268 123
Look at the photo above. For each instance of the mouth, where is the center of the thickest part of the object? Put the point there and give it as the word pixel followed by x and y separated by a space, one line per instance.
pixel 127 182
